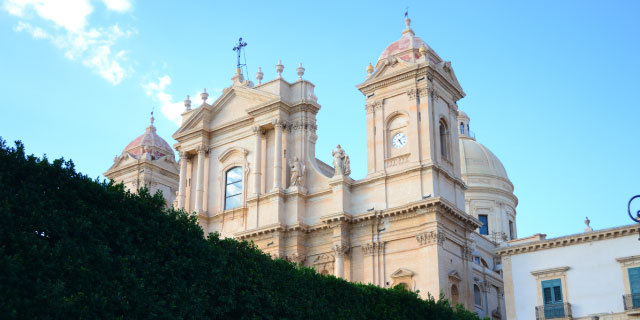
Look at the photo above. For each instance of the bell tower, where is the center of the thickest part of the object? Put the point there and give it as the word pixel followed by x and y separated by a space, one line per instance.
pixel 411 115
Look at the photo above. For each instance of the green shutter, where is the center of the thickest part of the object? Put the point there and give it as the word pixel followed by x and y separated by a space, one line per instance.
pixel 552 291
pixel 634 280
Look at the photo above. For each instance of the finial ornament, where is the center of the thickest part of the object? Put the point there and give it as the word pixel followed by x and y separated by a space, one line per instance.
pixel 204 95
pixel 369 69
pixel 187 104
pixel 423 50
pixel 588 228
pixel 300 70
pixel 279 69
pixel 152 119
pixel 259 75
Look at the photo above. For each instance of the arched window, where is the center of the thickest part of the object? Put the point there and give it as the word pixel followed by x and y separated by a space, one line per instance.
pixel 477 296
pixel 444 135
pixel 454 295
pixel 233 188
pixel 462 127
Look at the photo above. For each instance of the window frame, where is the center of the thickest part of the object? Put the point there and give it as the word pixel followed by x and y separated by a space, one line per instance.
pixel 227 184
pixel 444 133
pixel 485 225
pixel 477 296
pixel 559 273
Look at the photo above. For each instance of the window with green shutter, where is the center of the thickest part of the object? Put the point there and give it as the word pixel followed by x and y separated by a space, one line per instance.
pixel 552 298
pixel 634 285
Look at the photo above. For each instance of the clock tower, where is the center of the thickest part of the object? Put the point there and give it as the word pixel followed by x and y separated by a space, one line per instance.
pixel 411 115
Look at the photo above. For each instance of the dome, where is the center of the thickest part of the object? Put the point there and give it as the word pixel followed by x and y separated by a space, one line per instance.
pixel 406 48
pixel 151 140
pixel 477 160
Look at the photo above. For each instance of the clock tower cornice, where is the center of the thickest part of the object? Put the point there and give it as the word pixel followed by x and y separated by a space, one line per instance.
pixel 420 72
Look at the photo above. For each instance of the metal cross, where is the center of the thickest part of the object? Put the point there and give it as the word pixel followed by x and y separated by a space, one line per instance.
pixel 238 48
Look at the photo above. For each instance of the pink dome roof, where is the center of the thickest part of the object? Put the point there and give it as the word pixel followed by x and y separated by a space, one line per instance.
pixel 406 48
pixel 150 139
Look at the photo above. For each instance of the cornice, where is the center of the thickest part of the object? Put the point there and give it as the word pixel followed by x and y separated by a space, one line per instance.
pixel 409 72
pixel 414 71
pixel 494 190
pixel 268 106
pixel 550 271
pixel 568 240
pixel 134 167
pixel 273 228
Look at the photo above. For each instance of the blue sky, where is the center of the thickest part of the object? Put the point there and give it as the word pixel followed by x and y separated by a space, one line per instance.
pixel 551 85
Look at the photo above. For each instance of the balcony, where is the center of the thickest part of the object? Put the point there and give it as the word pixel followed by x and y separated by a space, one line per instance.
pixel 632 303
pixel 553 311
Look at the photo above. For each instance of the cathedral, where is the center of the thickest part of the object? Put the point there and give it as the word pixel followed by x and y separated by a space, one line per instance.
pixel 434 205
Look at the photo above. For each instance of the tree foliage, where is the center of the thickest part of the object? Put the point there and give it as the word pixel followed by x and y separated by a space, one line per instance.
pixel 72 247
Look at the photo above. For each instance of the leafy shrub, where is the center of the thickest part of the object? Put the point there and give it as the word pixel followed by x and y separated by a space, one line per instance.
pixel 71 247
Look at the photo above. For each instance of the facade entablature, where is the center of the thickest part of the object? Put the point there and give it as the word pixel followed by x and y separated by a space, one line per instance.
pixel 393 73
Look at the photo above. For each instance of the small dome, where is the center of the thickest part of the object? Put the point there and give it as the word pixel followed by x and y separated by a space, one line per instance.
pixel 151 140
pixel 406 48
pixel 461 114
pixel 477 160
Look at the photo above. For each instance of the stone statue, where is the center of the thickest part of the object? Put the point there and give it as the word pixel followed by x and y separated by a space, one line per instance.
pixel 297 172
pixel 341 161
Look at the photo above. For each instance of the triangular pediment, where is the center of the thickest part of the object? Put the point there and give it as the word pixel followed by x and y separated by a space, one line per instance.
pixel 391 66
pixel 445 69
pixel 232 104
pixel 401 273
pixel 455 275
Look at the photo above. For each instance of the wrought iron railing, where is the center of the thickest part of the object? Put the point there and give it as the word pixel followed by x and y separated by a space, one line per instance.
pixel 553 311
pixel 631 301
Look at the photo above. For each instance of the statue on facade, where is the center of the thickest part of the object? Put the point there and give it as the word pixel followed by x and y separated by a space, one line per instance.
pixel 341 161
pixel 297 172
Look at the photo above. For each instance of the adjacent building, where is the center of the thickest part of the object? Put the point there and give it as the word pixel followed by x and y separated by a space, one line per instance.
pixel 591 275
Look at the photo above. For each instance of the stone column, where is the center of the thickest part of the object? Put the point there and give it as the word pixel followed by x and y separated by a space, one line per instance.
pixel 340 251
pixel 200 178
pixel 183 179
pixel 277 155
pixel 256 160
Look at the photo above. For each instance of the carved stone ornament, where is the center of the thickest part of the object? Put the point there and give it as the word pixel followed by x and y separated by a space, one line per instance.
pixel 467 253
pixel 258 130
pixel 295 258
pixel 297 172
pixel 372 247
pixel 341 161
pixel 430 237
pixel 278 123
pixel 417 92
pixel 303 125
pixel 373 106
pixel 433 93
pixel 340 249
pixel 201 148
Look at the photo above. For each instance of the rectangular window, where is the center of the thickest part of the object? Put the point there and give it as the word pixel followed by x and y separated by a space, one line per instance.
pixel 634 285
pixel 511 235
pixel 552 297
pixel 484 229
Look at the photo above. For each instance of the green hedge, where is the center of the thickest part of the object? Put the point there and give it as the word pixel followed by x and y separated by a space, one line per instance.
pixel 71 247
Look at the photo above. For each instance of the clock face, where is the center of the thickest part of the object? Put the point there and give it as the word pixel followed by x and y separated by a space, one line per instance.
pixel 399 140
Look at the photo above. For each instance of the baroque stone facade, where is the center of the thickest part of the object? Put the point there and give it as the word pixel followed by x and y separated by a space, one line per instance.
pixel 248 168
